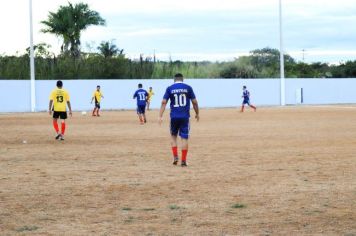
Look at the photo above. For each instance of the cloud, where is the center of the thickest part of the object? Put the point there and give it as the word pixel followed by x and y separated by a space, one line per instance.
pixel 197 29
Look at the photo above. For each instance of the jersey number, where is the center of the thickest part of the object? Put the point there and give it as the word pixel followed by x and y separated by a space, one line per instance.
pixel 180 100
pixel 60 99
pixel 142 96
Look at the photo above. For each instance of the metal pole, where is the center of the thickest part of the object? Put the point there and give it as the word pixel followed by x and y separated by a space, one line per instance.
pixel 283 102
pixel 32 63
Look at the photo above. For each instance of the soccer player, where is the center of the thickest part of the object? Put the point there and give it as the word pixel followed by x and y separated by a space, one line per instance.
pixel 141 95
pixel 150 94
pixel 58 101
pixel 246 97
pixel 97 96
pixel 180 96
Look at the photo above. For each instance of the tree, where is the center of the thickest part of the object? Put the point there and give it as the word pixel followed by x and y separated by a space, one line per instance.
pixel 68 22
pixel 109 49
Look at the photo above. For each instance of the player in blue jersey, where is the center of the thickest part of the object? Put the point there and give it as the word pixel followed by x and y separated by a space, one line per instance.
pixel 180 96
pixel 246 97
pixel 141 95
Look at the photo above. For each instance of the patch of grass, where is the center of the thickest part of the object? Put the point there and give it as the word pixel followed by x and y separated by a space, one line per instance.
pixel 174 207
pixel 129 220
pixel 238 206
pixel 149 209
pixel 126 209
pixel 26 228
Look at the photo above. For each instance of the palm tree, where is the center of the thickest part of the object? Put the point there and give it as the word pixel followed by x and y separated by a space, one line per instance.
pixel 68 22
pixel 109 49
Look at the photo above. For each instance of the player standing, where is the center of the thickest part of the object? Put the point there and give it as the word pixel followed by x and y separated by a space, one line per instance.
pixel 58 101
pixel 150 94
pixel 246 97
pixel 97 96
pixel 141 95
pixel 180 96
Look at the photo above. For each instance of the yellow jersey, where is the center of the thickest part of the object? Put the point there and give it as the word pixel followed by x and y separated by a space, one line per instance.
pixel 150 94
pixel 60 97
pixel 97 95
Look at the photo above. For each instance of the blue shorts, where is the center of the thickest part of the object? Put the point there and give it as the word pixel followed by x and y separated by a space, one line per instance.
pixel 246 101
pixel 141 109
pixel 181 126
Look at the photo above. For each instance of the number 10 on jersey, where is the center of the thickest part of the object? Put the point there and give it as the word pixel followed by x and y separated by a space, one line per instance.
pixel 180 100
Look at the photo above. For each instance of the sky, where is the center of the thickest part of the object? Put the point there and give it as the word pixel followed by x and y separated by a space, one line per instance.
pixel 195 30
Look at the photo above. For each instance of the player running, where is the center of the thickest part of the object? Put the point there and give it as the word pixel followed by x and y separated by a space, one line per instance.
pixel 58 101
pixel 97 96
pixel 246 97
pixel 180 96
pixel 141 95
pixel 150 94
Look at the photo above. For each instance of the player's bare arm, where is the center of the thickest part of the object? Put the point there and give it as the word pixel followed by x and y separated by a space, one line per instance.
pixel 196 108
pixel 92 99
pixel 161 111
pixel 50 107
pixel 70 108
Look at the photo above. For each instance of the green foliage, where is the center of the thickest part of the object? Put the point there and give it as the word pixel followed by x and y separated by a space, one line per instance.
pixel 111 63
pixel 109 49
pixel 68 23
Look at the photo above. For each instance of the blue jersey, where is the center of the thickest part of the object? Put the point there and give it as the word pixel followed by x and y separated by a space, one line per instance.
pixel 141 96
pixel 180 95
pixel 246 94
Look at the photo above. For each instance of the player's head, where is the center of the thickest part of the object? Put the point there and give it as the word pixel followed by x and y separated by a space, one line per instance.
pixel 178 77
pixel 59 84
pixel 150 88
pixel 139 85
pixel 98 87
pixel 244 87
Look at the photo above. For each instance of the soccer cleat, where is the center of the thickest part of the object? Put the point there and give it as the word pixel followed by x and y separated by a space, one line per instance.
pixel 61 138
pixel 175 162
pixel 184 164
pixel 58 136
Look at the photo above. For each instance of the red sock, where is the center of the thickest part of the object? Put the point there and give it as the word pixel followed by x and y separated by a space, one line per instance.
pixel 63 128
pixel 175 151
pixel 184 155
pixel 55 125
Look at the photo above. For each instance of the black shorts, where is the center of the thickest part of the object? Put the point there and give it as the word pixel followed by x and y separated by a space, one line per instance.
pixel 97 105
pixel 60 114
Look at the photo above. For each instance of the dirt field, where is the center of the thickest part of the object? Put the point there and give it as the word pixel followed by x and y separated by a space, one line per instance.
pixel 274 172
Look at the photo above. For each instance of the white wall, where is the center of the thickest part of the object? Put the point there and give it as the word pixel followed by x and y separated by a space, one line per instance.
pixel 15 95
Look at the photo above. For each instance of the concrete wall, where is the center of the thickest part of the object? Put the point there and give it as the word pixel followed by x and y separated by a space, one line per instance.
pixel 15 95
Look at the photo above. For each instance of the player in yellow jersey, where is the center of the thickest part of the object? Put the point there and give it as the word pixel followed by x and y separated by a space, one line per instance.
pixel 58 101
pixel 97 96
pixel 150 94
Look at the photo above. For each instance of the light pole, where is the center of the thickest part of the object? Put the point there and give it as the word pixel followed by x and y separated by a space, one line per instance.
pixel 32 63
pixel 281 50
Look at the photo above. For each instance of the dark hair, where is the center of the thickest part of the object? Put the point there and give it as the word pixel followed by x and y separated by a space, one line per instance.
pixel 140 85
pixel 178 75
pixel 98 86
pixel 59 84
pixel 244 86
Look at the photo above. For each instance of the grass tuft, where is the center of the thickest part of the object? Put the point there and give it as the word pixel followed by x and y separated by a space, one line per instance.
pixel 149 209
pixel 126 209
pixel 174 207
pixel 26 228
pixel 238 205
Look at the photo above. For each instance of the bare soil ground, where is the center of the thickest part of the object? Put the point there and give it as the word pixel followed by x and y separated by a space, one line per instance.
pixel 278 171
